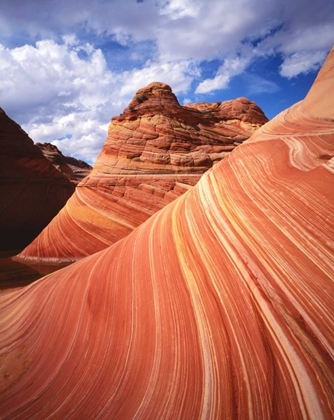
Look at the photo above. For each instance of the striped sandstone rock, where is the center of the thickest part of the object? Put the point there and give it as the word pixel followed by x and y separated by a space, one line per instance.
pixel 220 306
pixel 155 151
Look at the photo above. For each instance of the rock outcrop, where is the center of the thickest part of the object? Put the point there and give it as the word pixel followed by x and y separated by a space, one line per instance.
pixel 155 151
pixel 75 170
pixel 32 191
pixel 219 306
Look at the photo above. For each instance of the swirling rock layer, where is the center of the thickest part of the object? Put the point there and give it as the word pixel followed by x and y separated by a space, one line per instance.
pixel 32 191
pixel 219 306
pixel 155 151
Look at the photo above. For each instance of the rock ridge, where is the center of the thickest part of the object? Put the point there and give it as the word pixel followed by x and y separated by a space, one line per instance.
pixel 75 170
pixel 220 306
pixel 154 152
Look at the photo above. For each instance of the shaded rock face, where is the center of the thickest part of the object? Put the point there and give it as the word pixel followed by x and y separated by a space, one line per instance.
pixel 74 169
pixel 32 191
pixel 155 151
pixel 219 306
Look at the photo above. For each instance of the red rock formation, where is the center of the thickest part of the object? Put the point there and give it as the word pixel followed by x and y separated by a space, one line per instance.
pixel 32 191
pixel 240 109
pixel 155 151
pixel 219 306
pixel 74 169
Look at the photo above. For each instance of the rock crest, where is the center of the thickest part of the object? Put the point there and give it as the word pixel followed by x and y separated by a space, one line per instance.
pixel 155 151
pixel 220 306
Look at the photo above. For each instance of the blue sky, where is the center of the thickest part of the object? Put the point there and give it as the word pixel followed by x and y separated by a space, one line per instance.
pixel 68 66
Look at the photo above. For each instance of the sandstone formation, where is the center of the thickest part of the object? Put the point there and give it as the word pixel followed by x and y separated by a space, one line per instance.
pixel 74 169
pixel 221 306
pixel 32 191
pixel 155 151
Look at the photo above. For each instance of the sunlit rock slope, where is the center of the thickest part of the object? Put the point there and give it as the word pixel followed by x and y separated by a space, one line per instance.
pixel 155 151
pixel 32 191
pixel 220 306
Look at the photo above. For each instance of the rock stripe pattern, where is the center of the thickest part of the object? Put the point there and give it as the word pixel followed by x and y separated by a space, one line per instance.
pixel 220 306
pixel 155 151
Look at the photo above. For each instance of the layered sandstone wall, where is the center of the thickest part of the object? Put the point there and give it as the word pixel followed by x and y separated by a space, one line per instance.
pixel 155 151
pixel 32 191
pixel 219 306
pixel 75 170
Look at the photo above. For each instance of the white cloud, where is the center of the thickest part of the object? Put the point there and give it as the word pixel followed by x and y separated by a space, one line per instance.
pixel 54 92
pixel 299 63
pixel 232 66
pixel 49 71
pixel 220 81
pixel 178 74
pixel 70 39
pixel 86 139
pixel 177 9
pixel 304 38
pixel 182 29
pixel 65 91
pixel 62 84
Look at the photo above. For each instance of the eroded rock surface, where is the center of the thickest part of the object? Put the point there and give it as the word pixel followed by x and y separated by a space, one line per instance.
pixel 155 151
pixel 32 191
pixel 219 306
pixel 74 169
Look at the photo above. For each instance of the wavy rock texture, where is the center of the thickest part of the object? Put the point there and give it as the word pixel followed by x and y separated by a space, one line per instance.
pixel 32 191
pixel 155 151
pixel 75 170
pixel 219 306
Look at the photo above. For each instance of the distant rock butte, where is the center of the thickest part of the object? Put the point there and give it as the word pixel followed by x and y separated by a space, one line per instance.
pixel 155 151
pixel 220 306
pixel 32 191
pixel 75 170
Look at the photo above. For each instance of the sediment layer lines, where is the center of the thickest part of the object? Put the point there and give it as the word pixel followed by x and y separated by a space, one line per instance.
pixel 154 152
pixel 218 306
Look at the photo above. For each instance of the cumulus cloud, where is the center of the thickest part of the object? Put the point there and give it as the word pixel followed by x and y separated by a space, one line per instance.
pixel 54 90
pixel 301 63
pixel 51 72
pixel 231 67
pixel 179 74
pixel 205 31
pixel 64 93
pixel 182 29
pixel 58 78
pixel 178 9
